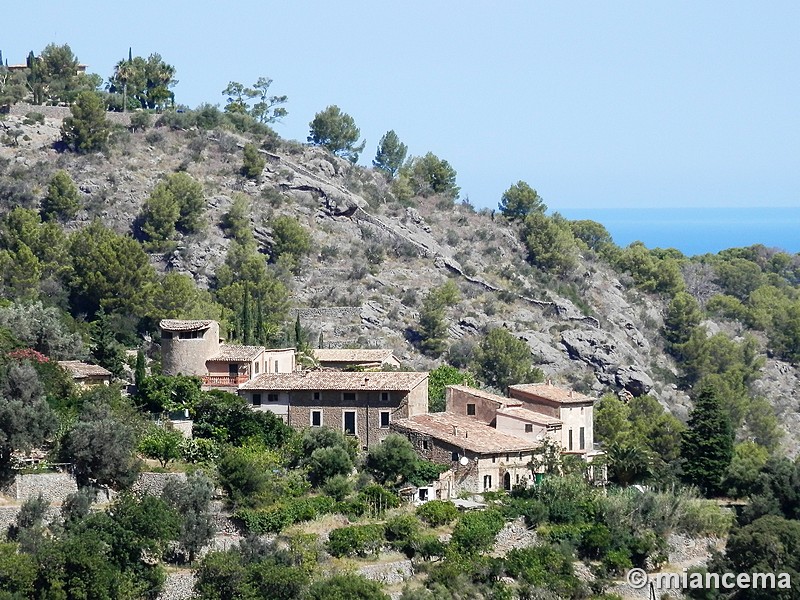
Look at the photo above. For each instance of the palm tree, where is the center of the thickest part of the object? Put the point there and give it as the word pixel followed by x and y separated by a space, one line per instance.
pixel 628 463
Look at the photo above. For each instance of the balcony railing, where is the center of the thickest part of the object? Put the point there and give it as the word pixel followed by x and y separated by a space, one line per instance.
pixel 225 380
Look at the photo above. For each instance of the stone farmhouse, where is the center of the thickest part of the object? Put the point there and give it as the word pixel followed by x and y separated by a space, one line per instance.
pixel 360 404
pixel 195 348
pixel 489 440
pixel 362 359
pixel 574 410
pixel 86 375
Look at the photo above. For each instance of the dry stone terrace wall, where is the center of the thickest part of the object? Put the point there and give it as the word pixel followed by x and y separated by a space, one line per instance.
pixel 61 112
pixel 54 487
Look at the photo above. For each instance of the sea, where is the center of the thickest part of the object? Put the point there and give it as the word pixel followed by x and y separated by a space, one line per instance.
pixel 698 230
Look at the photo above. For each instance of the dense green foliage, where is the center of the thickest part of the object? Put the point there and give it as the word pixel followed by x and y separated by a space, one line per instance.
pixel 501 359
pixel 426 176
pixel 252 162
pixel 707 445
pixel 391 154
pixel 87 130
pixel 520 200
pixel 145 83
pixel 432 325
pixel 336 131
pixel 61 201
pixel 439 379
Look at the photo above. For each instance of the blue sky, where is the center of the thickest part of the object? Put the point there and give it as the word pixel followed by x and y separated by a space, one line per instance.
pixel 595 104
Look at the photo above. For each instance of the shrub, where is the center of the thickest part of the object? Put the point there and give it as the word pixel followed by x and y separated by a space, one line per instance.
pixel 617 562
pixel 61 201
pixel 252 162
pixel 401 531
pixel 437 512
pixel 356 540
pixel 378 499
pixel 140 121
pixel 475 531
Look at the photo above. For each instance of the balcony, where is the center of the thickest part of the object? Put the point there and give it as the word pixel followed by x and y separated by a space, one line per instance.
pixel 224 380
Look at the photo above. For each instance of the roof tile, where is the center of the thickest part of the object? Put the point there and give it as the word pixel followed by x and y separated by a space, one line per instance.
pixel 548 391
pixel 337 380
pixel 183 325
pixel 470 434
pixel 232 352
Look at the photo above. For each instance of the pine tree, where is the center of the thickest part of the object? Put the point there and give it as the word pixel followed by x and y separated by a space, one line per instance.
pixel 391 154
pixel 61 201
pixel 707 445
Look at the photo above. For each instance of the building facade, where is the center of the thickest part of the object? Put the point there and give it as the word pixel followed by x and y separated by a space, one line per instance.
pixel 481 459
pixel 195 348
pixel 574 410
pixel 360 404
pixel 364 359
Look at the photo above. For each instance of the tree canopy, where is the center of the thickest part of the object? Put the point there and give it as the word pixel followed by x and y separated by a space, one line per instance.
pixel 336 131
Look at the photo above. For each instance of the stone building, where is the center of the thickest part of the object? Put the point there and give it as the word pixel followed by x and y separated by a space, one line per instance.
pixel 480 457
pixel 574 410
pixel 360 404
pixel 365 359
pixel 86 375
pixel 187 345
pixel 195 348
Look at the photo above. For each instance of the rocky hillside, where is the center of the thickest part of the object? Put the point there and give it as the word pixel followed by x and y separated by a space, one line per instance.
pixel 373 259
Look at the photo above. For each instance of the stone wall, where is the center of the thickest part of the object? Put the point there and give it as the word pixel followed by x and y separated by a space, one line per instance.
pixel 60 112
pixel 154 483
pixel 367 406
pixel 189 356
pixel 54 487
pixel 389 573
pixel 342 313
pixel 178 585
pixel 8 514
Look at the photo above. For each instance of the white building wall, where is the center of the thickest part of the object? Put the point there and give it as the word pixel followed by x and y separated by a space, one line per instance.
pixel 575 417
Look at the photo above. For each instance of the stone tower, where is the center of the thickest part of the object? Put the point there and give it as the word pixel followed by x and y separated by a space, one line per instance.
pixel 187 345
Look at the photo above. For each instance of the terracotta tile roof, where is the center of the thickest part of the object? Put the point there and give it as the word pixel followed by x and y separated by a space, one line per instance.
pixel 552 392
pixel 502 400
pixel 529 415
pixel 337 380
pixel 358 355
pixel 181 325
pixel 81 370
pixel 469 434
pixel 232 352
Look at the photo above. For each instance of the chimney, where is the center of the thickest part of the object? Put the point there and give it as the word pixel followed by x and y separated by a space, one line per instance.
pixel 466 434
pixel 366 381
pixel 570 393
pixel 455 430
pixel 549 382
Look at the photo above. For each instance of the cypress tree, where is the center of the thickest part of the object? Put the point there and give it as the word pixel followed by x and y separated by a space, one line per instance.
pixel 140 372
pixel 247 324
pixel 106 350
pixel 260 330
pixel 298 333
pixel 321 343
pixel 707 445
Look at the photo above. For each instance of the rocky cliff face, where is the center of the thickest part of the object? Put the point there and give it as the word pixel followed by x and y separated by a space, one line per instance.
pixel 374 260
